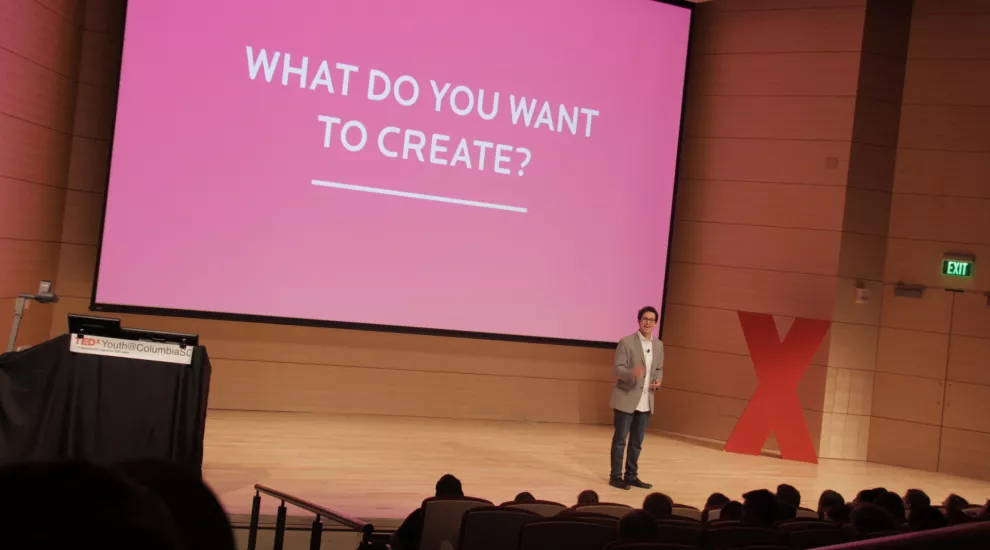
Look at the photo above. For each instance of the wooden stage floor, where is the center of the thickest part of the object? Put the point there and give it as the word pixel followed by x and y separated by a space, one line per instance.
pixel 378 467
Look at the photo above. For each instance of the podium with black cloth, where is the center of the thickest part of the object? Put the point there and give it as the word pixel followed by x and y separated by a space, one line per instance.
pixel 105 394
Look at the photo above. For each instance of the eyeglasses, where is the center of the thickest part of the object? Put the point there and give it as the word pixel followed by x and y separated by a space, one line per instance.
pixel 649 320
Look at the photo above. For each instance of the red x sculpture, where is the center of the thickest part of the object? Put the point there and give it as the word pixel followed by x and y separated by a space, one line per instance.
pixel 775 406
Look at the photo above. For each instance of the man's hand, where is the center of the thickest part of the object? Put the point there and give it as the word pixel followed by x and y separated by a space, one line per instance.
pixel 655 385
pixel 639 371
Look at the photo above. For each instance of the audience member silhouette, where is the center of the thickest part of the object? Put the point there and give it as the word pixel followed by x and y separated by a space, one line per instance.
pixel 924 518
pixel 715 502
pixel 524 496
pixel 759 508
pixel 199 517
pixel 103 509
pixel 638 525
pixel 869 518
pixel 893 504
pixel 916 498
pixel 789 495
pixel 732 511
pixel 828 499
pixel 587 498
pixel 659 505
pixel 407 536
pixel 839 513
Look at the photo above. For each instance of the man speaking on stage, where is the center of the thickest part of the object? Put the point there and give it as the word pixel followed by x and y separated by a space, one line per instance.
pixel 639 368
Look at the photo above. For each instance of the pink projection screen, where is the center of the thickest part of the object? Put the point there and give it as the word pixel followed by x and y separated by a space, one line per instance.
pixel 496 169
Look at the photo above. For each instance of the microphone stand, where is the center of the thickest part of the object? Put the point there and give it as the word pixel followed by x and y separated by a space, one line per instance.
pixel 42 298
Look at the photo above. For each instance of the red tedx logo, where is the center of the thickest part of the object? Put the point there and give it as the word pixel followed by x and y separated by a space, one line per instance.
pixel 775 406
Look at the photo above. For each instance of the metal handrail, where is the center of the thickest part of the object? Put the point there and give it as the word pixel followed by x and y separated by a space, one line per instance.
pixel 316 533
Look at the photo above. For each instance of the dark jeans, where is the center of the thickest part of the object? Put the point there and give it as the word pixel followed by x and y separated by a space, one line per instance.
pixel 633 426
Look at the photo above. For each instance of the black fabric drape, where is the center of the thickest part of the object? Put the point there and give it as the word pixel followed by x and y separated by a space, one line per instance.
pixel 55 404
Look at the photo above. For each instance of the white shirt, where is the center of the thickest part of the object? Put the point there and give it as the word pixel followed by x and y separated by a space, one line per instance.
pixel 644 398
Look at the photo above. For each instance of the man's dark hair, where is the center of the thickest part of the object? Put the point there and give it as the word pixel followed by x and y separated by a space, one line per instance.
pixel 926 517
pixel 870 518
pixel 785 511
pixel 955 502
pixel 524 496
pixel 828 499
pixel 866 495
pixel 659 505
pixel 587 497
pixel 916 498
pixel 893 504
pixel 839 513
pixel 759 508
pixel 716 500
pixel 638 525
pixel 731 511
pixel 645 310
pixel 449 486
pixel 789 495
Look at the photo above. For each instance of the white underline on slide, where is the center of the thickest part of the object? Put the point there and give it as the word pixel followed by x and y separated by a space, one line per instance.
pixel 420 196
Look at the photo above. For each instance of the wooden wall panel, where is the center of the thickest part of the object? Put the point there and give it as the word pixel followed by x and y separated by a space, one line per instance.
pixel 964 453
pixel 909 398
pixel 41 35
pixel 35 94
pixel 785 74
pixel 959 36
pixel 968 360
pixel 838 29
pixel 967 407
pixel 951 127
pixel 947 219
pixel 846 310
pixel 861 256
pixel 905 444
pixel 256 385
pixel 32 152
pixel 756 247
pixel 759 5
pixel 99 64
pixel 920 262
pixel 955 7
pixel 971 314
pixel 853 346
pixel 71 10
pixel 730 375
pixel 29 211
pixel 788 294
pixel 26 262
pixel 876 122
pixel 89 165
pixel 871 167
pixel 106 16
pixel 94 116
pixel 930 313
pixel 866 211
pixel 912 353
pixel 83 216
pixel 954 173
pixel 731 159
pixel 939 205
pixel 76 268
pixel 766 204
pixel 815 118
pixel 38 63
pixel 948 81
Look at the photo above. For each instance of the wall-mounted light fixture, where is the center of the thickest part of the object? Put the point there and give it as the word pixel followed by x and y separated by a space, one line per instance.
pixel 909 291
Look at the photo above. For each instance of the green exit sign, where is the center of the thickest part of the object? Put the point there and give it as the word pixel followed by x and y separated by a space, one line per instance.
pixel 957 267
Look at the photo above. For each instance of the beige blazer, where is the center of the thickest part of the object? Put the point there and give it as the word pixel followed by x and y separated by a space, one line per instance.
pixel 629 388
